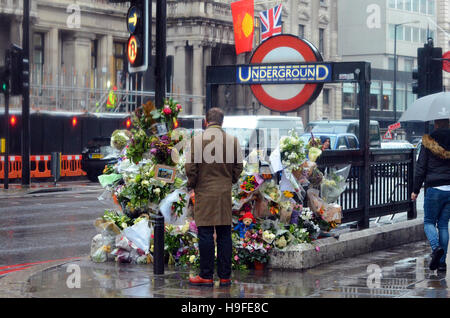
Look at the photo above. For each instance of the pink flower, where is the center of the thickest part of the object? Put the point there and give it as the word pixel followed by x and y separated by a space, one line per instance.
pixel 167 110
pixel 317 249
pixel 178 107
pixel 236 258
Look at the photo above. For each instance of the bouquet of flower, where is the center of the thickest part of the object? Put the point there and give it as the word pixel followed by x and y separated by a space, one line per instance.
pixel 250 183
pixel 334 183
pixel 139 144
pixel 270 191
pixel 168 114
pixel 253 247
pixel 291 151
pixel 120 138
pixel 314 148
pixel 163 151
pixel 142 117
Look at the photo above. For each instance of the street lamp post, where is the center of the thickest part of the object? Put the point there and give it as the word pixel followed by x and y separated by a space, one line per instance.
pixel 395 66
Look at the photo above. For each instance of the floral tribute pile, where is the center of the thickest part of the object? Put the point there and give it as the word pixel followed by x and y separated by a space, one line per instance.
pixel 291 202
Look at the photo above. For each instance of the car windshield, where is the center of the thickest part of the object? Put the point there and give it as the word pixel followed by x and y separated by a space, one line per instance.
pixel 307 137
pixel 269 137
pixel 326 128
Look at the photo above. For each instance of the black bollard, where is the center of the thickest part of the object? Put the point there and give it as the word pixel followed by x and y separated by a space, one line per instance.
pixel 158 248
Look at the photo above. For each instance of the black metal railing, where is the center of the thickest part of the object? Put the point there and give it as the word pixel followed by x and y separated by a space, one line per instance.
pixel 390 182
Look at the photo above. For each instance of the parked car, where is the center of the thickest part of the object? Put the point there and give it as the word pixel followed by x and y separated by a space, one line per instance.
pixel 337 141
pixel 97 154
pixel 263 131
pixel 397 144
pixel 346 126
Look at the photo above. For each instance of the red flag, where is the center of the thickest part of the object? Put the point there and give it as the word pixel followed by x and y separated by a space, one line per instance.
pixel 243 12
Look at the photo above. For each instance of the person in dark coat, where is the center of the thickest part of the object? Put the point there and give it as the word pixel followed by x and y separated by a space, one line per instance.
pixel 433 168
pixel 215 164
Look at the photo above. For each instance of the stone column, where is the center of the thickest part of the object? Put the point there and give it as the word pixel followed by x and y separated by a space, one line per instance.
pixel 179 69
pixel 105 53
pixel 15 34
pixel 197 79
pixel 51 55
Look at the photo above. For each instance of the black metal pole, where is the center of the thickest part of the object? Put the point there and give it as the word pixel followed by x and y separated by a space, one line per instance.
pixel 6 164
pixel 160 67
pixel 364 120
pixel 26 98
pixel 158 248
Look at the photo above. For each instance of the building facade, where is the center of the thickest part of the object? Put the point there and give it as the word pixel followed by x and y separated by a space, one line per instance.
pixel 76 49
pixel 376 31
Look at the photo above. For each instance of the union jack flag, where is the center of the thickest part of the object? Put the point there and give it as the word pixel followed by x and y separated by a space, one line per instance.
pixel 270 22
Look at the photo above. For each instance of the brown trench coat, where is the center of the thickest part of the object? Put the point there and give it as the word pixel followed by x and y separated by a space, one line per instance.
pixel 212 179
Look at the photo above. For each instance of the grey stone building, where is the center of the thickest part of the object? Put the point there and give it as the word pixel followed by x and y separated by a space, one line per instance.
pixel 78 50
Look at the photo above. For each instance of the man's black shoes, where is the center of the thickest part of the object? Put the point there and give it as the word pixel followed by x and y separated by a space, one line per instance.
pixel 435 257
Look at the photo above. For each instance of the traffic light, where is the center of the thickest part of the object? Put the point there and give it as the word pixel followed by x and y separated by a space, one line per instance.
pixel 139 42
pixel 19 68
pixel 4 80
pixel 429 72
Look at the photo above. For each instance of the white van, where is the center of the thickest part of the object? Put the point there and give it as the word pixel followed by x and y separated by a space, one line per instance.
pixel 263 131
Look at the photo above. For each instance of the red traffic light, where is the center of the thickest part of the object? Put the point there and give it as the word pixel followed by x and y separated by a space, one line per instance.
pixel 13 120
pixel 74 121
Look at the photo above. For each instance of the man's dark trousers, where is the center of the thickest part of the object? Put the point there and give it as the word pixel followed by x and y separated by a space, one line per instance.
pixel 207 248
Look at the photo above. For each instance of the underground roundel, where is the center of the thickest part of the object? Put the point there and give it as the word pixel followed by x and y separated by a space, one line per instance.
pixel 290 49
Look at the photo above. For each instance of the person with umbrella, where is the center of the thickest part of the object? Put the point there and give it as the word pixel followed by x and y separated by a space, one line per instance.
pixel 433 168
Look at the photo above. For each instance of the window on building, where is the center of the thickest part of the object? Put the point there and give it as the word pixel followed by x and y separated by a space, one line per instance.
pixel 400 32
pixel 38 58
pixel 423 35
pixel 401 96
pixel 400 4
pixel 410 97
pixel 119 64
pixel 301 31
pixel 415 5
pixel 322 40
pixel 431 7
pixel 386 103
pixel 408 5
pixel 348 95
pixel 408 65
pixel 94 49
pixel 408 33
pixel 423 6
pixel 326 96
pixel 375 95
pixel 392 4
pixel 392 32
pixel 415 34
pixel 391 64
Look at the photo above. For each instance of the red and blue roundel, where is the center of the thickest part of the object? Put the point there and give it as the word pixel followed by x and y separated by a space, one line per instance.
pixel 286 48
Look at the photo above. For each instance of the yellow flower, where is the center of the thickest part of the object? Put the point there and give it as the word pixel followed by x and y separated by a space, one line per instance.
pixel 192 258
pixel 185 228
pixel 288 194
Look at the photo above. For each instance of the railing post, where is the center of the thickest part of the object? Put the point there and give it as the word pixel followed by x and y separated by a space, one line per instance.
pixel 158 248
pixel 412 211
pixel 364 120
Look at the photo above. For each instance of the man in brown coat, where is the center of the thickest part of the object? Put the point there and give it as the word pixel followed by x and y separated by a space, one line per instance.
pixel 214 163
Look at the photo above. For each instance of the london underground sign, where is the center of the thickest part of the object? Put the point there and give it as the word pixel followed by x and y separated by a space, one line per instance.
pixel 287 50
pixel 133 50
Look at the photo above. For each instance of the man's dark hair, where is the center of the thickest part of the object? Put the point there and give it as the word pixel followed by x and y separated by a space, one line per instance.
pixel 441 123
pixel 214 116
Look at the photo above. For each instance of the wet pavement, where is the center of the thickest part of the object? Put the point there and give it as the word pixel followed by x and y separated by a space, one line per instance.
pixel 397 272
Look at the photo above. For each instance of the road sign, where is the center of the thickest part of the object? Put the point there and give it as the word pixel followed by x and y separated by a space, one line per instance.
pixel 133 50
pixel 285 48
pixel 133 18
pixel 388 135
pixel 394 126
pixel 446 62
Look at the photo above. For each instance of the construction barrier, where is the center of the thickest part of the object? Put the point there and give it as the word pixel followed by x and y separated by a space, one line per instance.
pixel 15 167
pixel 71 166
pixel 40 166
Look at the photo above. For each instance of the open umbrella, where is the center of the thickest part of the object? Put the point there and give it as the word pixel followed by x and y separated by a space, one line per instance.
pixel 428 108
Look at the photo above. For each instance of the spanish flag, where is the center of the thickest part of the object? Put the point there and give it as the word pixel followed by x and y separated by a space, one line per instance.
pixel 243 11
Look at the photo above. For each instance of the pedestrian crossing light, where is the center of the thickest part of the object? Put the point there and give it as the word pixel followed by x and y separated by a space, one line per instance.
pixel 139 42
